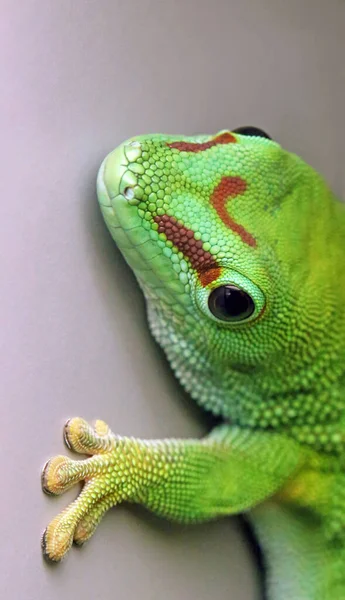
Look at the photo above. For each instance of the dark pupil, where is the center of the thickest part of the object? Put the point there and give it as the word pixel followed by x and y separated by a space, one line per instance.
pixel 229 303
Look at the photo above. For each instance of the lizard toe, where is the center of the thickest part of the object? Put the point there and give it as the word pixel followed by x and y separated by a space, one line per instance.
pixel 81 437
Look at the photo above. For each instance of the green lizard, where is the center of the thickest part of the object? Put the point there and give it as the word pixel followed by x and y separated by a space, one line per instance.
pixel 239 248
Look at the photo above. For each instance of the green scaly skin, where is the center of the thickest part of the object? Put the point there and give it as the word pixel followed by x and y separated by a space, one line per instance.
pixel 190 215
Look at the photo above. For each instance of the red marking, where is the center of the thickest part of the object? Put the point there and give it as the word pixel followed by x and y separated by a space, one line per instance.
pixel 230 187
pixel 203 262
pixel 223 138
pixel 210 275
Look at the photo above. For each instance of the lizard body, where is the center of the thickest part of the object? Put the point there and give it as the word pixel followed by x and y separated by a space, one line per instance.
pixel 239 248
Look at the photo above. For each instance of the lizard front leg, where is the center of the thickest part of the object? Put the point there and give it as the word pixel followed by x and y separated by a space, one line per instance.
pixel 227 472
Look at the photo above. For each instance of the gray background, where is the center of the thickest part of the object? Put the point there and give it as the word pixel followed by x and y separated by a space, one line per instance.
pixel 78 77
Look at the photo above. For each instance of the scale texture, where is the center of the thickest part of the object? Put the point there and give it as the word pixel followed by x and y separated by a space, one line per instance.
pixel 239 248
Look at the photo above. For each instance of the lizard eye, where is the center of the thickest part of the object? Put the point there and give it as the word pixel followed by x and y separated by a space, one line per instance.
pixel 252 131
pixel 233 299
pixel 230 303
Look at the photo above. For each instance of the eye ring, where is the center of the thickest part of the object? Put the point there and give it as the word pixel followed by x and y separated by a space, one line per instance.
pixel 247 303
pixel 231 304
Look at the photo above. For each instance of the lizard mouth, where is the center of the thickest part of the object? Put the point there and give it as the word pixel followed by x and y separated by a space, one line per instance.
pixel 119 196
pixel 132 227
pixel 119 167
pixel 116 182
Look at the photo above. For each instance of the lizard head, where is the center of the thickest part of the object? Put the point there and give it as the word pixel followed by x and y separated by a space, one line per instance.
pixel 233 241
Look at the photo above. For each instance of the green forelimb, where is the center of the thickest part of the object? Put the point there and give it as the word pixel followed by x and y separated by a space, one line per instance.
pixel 228 472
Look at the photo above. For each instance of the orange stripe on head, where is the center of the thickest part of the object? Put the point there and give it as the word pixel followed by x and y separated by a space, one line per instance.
pixel 228 188
pixel 183 238
pixel 223 138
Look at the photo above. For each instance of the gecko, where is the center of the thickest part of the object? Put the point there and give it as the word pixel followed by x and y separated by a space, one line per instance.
pixel 239 248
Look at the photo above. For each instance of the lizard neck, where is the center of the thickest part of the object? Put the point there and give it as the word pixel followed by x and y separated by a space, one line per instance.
pixel 250 396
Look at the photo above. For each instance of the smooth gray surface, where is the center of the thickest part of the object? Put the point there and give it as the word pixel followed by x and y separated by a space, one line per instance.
pixel 78 77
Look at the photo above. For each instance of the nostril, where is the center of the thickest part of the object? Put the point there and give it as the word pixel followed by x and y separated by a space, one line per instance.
pixel 128 193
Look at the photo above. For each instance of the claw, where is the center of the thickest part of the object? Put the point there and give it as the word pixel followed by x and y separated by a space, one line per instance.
pixel 65 435
pixel 45 553
pixel 44 480
pixel 44 546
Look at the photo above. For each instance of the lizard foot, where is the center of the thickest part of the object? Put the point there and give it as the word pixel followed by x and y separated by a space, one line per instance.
pixel 109 477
